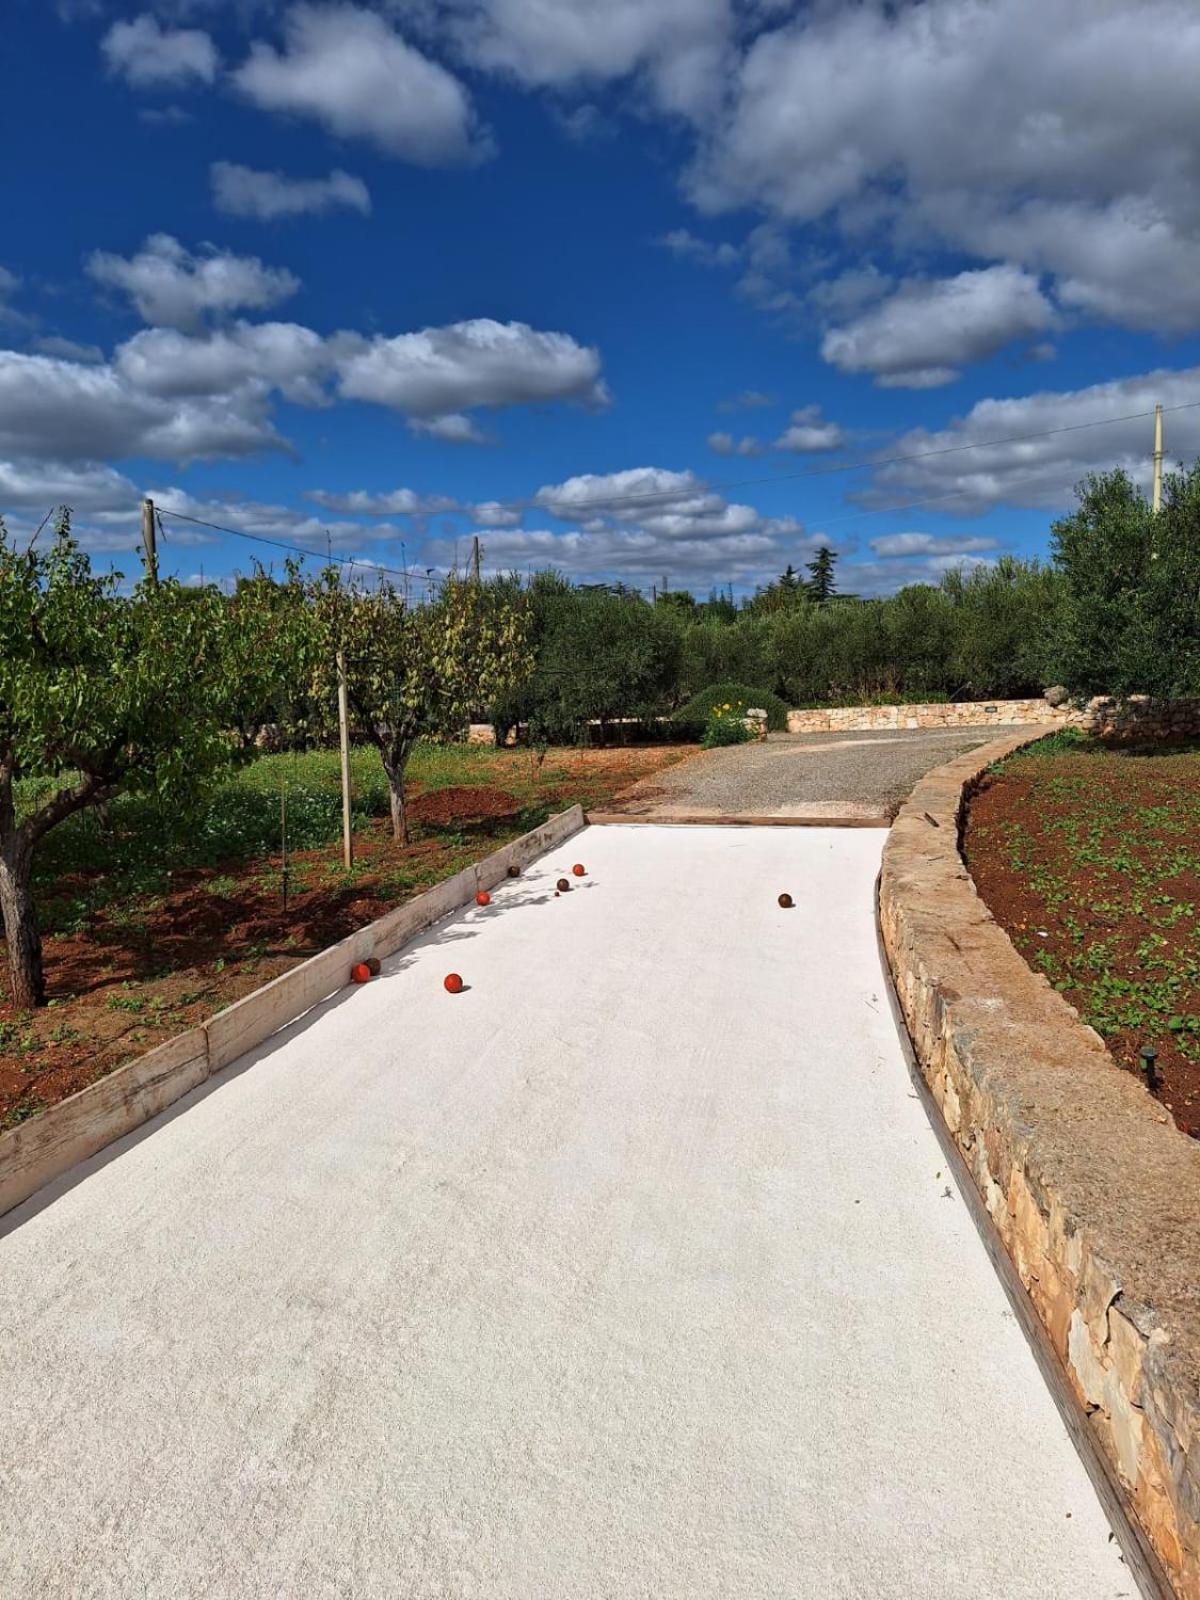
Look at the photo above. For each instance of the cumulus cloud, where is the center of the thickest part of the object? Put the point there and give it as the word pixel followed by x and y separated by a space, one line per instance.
pixel 809 432
pixel 246 192
pixel 346 68
pixel 724 444
pixel 1042 471
pixel 149 56
pixel 648 522
pixel 175 395
pixel 282 355
pixel 87 487
pixel 884 576
pixel 388 503
pixel 675 48
pixel 53 344
pixel 1079 161
pixel 441 372
pixel 687 246
pixel 928 544
pixel 65 410
pixel 170 286
pixel 922 334
pixel 491 514
pixel 452 428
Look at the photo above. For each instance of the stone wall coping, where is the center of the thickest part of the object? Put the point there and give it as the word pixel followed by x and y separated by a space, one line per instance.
pixel 1093 1190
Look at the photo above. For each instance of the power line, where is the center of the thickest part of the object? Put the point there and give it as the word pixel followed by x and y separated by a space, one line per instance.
pixel 409 575
pixel 653 496
pixel 295 549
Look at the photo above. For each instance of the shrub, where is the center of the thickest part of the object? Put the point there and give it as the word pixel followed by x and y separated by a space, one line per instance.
pixel 726 725
pixel 700 707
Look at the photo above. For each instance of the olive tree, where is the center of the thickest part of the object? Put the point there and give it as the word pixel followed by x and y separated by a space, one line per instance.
pixel 417 671
pixel 103 692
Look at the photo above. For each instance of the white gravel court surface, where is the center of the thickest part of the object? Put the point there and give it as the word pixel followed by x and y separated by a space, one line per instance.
pixel 629 1272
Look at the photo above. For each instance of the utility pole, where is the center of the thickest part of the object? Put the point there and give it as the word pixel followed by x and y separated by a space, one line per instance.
pixel 1156 502
pixel 344 732
pixel 149 542
pixel 475 559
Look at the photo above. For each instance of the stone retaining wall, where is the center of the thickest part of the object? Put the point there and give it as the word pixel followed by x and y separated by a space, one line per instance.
pixel 1094 1192
pixel 937 714
pixel 1139 717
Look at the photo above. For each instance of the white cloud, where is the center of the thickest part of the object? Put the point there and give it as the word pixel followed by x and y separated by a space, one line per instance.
pixel 875 578
pixel 747 400
pixel 53 344
pixel 688 247
pixel 68 411
pixel 1042 471
pixel 283 523
pixel 390 503
pixel 647 522
pixel 164 116
pixel 1074 157
pixel 921 335
pixel 282 355
pixel 677 48
pixel 928 544
pixel 491 514
pixel 170 286
pixel 629 494
pixel 451 428
pixel 174 395
pixel 724 444
pixel 86 488
pixel 149 56
pixel 10 283
pixel 246 192
pixel 440 372
pixel 347 69
pixel 809 432
pixel 636 555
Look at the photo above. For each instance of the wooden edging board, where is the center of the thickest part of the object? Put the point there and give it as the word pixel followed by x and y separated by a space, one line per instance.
pixel 37 1152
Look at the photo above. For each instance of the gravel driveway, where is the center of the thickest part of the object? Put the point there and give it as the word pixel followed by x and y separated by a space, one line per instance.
pixel 822 775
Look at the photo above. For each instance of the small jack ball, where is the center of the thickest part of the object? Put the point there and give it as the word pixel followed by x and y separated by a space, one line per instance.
pixel 361 972
pixel 563 885
pixel 453 983
pixel 373 966
pixel 514 872
pixel 578 870
pixel 785 900
pixel 483 898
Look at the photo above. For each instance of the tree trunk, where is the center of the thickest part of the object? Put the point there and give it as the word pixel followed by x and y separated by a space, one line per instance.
pixel 26 977
pixel 399 816
pixel 395 764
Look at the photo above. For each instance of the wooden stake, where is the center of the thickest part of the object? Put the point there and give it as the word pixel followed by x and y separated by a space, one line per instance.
pixel 283 838
pixel 1156 503
pixel 475 559
pixel 344 731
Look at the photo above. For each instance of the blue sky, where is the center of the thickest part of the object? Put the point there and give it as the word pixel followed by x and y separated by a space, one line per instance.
pixel 613 287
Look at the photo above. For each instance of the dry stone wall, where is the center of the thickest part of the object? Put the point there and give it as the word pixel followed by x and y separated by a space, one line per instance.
pixel 1093 1190
pixel 936 714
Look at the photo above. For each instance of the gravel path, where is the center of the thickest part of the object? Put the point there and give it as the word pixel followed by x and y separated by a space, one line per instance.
pixel 633 1272
pixel 830 775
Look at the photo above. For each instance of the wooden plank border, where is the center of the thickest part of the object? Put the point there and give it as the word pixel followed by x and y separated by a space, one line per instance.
pixel 46 1147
